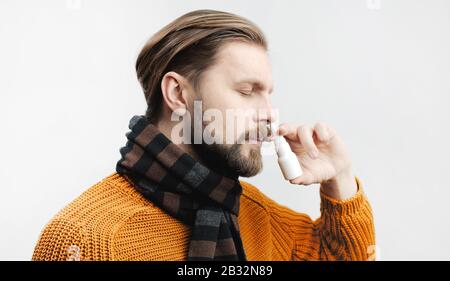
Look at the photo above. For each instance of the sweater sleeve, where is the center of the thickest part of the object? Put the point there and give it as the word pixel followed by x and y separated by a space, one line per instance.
pixel 344 231
pixel 60 241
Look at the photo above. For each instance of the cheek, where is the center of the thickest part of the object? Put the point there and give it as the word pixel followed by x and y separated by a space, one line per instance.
pixel 229 105
pixel 237 112
pixel 222 100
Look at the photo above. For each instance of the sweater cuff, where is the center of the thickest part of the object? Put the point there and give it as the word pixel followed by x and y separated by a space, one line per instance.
pixel 348 206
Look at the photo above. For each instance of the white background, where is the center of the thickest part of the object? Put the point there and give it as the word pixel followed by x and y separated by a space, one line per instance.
pixel 378 71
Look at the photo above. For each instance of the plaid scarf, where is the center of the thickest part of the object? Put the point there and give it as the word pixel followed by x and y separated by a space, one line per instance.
pixel 187 190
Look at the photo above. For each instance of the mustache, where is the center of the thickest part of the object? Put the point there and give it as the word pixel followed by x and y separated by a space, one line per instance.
pixel 261 133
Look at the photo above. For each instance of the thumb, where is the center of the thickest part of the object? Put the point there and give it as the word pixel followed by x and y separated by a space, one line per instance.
pixel 306 179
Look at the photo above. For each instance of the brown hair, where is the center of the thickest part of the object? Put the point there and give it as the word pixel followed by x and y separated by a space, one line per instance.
pixel 188 46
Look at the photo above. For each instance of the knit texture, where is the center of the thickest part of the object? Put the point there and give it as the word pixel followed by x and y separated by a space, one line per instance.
pixel 112 221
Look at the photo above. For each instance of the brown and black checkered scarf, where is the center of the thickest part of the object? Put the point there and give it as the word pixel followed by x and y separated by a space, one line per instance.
pixel 187 190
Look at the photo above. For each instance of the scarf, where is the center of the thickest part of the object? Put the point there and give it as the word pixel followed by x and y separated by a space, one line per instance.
pixel 184 188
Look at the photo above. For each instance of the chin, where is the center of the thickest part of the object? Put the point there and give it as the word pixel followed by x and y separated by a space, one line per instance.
pixel 250 162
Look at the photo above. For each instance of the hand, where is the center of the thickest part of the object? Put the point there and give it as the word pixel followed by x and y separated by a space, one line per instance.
pixel 323 157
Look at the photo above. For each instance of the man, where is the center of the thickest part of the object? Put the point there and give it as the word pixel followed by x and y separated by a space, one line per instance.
pixel 174 197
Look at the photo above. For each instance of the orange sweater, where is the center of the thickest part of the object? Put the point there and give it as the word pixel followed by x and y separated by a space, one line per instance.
pixel 112 221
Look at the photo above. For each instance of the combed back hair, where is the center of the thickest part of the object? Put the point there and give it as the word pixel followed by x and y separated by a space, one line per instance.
pixel 188 46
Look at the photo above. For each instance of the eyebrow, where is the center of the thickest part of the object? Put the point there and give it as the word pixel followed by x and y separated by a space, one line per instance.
pixel 255 83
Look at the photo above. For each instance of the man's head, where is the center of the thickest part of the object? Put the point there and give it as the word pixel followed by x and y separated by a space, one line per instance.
pixel 221 60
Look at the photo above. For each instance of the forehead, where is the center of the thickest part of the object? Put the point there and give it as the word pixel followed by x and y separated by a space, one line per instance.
pixel 242 61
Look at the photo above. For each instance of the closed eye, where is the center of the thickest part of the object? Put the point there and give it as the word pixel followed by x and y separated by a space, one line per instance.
pixel 245 93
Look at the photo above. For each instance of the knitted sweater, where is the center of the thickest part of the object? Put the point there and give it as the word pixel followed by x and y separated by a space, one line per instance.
pixel 112 221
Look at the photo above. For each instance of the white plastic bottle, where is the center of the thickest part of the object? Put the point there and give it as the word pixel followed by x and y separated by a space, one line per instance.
pixel 287 160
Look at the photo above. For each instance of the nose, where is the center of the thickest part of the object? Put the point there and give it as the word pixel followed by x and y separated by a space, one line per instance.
pixel 266 113
pixel 265 116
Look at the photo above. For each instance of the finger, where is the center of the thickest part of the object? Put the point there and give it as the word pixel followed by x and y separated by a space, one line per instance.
pixel 305 134
pixel 321 131
pixel 305 179
pixel 289 131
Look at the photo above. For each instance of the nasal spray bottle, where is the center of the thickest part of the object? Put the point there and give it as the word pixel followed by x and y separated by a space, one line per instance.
pixel 288 161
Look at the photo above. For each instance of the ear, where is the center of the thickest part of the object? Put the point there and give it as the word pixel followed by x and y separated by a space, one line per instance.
pixel 173 88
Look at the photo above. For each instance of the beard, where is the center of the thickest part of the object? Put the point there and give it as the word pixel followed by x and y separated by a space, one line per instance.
pixel 231 159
